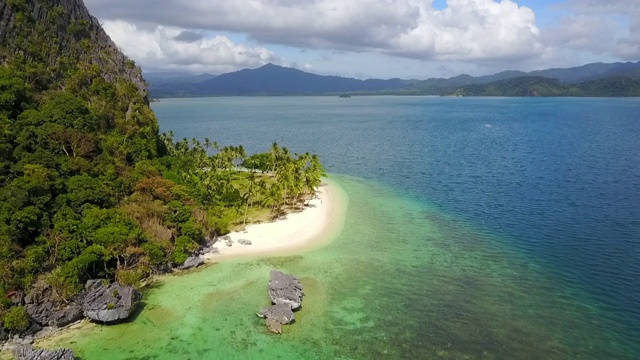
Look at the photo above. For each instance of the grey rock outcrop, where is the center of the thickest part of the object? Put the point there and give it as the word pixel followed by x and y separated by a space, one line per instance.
pixel 3 334
pixel 66 316
pixel 44 311
pixel 286 289
pixel 41 311
pixel 47 313
pixel 281 313
pixel 108 303
pixel 286 294
pixel 29 353
pixel 162 269
pixel 192 262
pixel 244 242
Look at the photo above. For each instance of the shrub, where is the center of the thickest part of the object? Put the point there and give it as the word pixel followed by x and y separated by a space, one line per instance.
pixel 192 230
pixel 17 319
pixel 183 247
pixel 179 256
pixel 155 253
pixel 131 277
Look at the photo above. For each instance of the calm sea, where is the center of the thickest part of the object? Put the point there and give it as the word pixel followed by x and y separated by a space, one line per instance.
pixel 487 228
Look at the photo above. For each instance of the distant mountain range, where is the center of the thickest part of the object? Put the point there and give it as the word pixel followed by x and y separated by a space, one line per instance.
pixel 599 79
pixel 268 80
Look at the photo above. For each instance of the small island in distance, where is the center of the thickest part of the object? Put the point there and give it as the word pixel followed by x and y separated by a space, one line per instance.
pixel 597 80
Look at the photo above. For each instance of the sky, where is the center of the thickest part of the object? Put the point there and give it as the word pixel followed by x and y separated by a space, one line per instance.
pixel 410 39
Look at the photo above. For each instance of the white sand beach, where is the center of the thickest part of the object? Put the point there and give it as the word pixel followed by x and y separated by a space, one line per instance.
pixel 316 225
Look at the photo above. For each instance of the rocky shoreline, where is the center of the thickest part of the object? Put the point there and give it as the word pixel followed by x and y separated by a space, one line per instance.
pixel 29 353
pixel 100 301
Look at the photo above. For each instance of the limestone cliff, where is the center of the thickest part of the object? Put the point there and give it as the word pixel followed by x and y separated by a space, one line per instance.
pixel 59 31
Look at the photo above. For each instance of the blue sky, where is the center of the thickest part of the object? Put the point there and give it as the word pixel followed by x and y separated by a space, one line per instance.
pixel 372 38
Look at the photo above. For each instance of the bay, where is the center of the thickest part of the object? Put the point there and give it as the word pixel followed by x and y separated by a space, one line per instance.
pixel 498 228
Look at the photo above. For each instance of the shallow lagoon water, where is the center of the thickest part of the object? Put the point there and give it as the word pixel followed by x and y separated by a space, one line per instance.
pixel 476 228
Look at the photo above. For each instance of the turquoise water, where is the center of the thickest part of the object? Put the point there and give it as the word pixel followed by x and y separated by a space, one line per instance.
pixel 475 228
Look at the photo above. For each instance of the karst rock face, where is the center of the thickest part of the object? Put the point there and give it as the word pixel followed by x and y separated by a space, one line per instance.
pixel 70 22
pixel 108 303
pixel 29 353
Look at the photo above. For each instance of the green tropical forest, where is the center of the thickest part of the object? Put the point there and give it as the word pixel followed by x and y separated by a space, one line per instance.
pixel 89 188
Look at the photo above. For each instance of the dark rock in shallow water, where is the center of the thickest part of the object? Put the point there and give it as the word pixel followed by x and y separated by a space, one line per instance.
pixel 29 353
pixel 192 262
pixel 108 303
pixel 274 326
pixel 281 313
pixel 286 294
pixel 285 288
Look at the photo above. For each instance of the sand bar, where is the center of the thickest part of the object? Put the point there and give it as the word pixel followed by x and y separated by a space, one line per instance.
pixel 318 224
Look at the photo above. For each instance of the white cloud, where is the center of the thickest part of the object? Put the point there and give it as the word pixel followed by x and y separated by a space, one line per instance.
pixel 472 30
pixel 480 35
pixel 610 28
pixel 465 30
pixel 168 47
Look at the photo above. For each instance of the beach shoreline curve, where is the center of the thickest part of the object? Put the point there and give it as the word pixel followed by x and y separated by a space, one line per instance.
pixel 318 224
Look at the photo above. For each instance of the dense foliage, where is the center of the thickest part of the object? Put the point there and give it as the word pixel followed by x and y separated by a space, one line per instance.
pixel 89 188
pixel 540 86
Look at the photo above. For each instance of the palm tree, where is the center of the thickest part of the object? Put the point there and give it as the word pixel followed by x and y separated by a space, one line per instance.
pixel 262 190
pixel 275 156
pixel 269 198
pixel 251 178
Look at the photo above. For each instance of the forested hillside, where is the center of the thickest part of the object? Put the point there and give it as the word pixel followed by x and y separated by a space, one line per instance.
pixel 615 79
pixel 618 86
pixel 88 186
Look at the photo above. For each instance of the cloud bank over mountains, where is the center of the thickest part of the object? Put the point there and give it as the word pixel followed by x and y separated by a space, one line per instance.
pixel 219 35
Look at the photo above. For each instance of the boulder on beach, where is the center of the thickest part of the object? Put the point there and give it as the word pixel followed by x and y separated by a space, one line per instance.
pixel 108 303
pixel 29 353
pixel 244 242
pixel 192 262
pixel 66 316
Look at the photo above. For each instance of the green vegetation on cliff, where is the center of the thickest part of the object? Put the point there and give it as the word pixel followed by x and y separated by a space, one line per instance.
pixel 88 186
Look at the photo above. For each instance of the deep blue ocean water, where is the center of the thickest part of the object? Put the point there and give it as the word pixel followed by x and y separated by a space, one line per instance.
pixel 553 182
